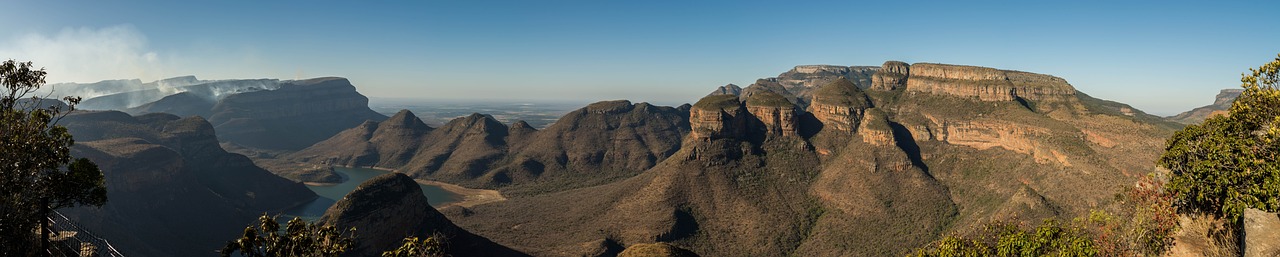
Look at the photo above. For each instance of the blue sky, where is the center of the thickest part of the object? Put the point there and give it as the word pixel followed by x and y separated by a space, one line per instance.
pixel 1160 56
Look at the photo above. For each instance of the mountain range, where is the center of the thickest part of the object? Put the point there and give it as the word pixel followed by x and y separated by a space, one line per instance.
pixel 821 160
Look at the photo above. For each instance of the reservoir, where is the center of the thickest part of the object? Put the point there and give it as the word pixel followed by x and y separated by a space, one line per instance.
pixel 330 194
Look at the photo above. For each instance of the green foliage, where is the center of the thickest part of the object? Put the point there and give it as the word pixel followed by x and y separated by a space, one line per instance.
pixel 1227 164
pixel 299 238
pixel 413 247
pixel 718 102
pixel 1010 239
pixel 37 175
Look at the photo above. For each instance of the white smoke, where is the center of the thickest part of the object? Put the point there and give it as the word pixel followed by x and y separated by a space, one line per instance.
pixel 88 54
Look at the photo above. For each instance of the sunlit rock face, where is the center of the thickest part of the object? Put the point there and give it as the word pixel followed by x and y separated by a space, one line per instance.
pixel 892 75
pixel 986 84
pixel 875 128
pixel 839 105
pixel 718 116
pixel 777 115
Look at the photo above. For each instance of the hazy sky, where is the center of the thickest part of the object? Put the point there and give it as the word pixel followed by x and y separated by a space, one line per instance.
pixel 1160 56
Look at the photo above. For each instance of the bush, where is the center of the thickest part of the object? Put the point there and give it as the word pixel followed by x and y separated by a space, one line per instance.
pixel 1227 164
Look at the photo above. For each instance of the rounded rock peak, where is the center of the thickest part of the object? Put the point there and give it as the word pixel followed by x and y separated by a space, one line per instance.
pixel 896 67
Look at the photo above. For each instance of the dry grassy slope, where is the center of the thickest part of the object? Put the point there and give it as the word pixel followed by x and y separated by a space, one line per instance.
pixel 729 203
pixel 390 143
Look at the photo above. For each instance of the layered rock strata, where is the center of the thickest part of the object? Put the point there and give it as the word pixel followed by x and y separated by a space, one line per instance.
pixel 839 105
pixel 892 75
pixel 778 116
pixel 985 84
pixel 718 116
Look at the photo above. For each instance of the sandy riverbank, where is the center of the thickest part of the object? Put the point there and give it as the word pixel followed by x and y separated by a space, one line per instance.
pixel 470 196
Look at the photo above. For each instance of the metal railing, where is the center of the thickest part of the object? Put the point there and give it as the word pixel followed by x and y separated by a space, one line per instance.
pixel 72 239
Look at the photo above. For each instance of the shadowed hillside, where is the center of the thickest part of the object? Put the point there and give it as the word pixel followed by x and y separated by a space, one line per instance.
pixel 173 191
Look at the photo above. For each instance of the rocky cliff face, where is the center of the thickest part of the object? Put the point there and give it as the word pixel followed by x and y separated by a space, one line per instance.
pixel 1013 137
pixel 985 84
pixel 390 207
pixel 158 167
pixel 892 75
pixel 717 116
pixel 875 128
pixel 777 116
pixel 839 105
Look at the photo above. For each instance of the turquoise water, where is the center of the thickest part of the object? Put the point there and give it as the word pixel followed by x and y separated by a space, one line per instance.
pixel 329 194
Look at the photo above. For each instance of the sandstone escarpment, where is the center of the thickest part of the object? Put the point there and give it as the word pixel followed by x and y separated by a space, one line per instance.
pixel 986 84
pixel 839 105
pixel 892 75
pixel 985 134
pixel 778 116
pixel 719 116
pixel 1017 138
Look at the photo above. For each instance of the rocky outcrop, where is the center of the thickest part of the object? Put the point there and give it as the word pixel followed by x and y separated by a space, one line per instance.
pixel 1221 103
pixel 892 75
pixel 839 105
pixel 1261 233
pixel 986 84
pixel 720 116
pixel 875 128
pixel 390 207
pixel 295 116
pixel 777 116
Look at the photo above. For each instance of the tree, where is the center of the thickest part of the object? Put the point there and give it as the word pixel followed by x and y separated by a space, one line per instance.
pixel 300 238
pixel 37 174
pixel 413 247
pixel 1228 162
